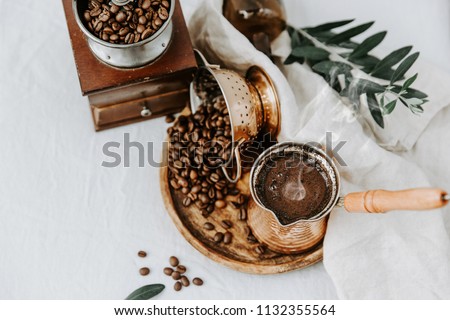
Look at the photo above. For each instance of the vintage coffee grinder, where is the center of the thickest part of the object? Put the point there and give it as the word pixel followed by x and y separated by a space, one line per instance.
pixel 127 83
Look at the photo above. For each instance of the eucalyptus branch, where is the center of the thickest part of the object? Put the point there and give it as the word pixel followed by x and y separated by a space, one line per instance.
pixel 317 46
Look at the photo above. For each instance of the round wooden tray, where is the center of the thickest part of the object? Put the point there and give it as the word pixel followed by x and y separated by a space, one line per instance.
pixel 240 254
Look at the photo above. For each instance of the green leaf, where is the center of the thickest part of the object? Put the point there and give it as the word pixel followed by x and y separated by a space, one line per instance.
pixel 367 61
pixel 385 74
pixel 375 110
pixel 404 67
pixel 389 107
pixel 409 82
pixel 310 52
pixel 367 86
pixel 410 93
pixel 291 59
pixel 350 33
pixel 332 68
pixel 146 292
pixel 295 39
pixel 392 59
pixel 367 45
pixel 328 26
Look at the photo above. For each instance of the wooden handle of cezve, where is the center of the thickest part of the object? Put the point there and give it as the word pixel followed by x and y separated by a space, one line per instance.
pixel 381 201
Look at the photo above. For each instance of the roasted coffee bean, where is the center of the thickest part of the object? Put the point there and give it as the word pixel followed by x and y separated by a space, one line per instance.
pixel 235 205
pixel 145 34
pixel 214 177
pixel 208 226
pixel 197 281
pixel 174 184
pixel 181 269
pixel 177 286
pixel 218 237
pixel 185 281
pixel 226 224
pixel 196 189
pixel 140 28
pixel 121 17
pixel 210 208
pixel 144 271
pixel 184 190
pixel 165 4
pixel 227 237
pixel 114 9
pixel 243 214
pixel 174 261
pixel 220 204
pixel 124 31
pixel 142 20
pixel 170 118
pixel 176 275
pixel 146 4
pixel 168 271
pixel 87 16
pixel 260 249
pixel 163 14
pixel 142 254
pixel 242 199
pixel 205 213
pixel 203 198
pixel 187 202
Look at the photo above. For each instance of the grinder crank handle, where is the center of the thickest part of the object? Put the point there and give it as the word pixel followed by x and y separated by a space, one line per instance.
pixel 381 201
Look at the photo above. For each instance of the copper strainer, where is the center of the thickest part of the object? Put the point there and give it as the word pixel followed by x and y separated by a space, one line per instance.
pixel 252 103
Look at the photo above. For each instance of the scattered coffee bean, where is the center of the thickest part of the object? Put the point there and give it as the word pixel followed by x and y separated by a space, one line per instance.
pixel 242 199
pixel 197 281
pixel 177 286
pixel 187 202
pixel 125 24
pixel 208 226
pixel 185 281
pixel 227 237
pixel 142 254
pixel 220 204
pixel 174 261
pixel 144 271
pixel 168 271
pixel 170 118
pixel 176 275
pixel 234 204
pixel 226 224
pixel 218 237
pixel 243 214
pixel 181 269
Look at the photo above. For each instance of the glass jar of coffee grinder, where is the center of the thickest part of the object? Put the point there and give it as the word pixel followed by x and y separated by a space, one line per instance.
pixel 261 21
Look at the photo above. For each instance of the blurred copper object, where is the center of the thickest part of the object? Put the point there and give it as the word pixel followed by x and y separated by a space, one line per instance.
pixel 261 21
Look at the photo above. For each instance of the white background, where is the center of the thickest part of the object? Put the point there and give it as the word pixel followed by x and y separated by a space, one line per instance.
pixel 70 229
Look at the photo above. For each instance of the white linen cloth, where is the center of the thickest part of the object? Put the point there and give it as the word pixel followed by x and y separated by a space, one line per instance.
pixel 70 228
pixel 397 255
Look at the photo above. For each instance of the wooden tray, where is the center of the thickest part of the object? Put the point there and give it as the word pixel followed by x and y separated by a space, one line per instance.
pixel 240 254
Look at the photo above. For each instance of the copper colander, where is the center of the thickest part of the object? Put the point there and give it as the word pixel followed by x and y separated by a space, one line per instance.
pixel 252 103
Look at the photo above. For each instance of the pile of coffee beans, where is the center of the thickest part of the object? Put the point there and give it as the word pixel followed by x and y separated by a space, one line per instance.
pixel 199 145
pixel 127 24
pixel 178 273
